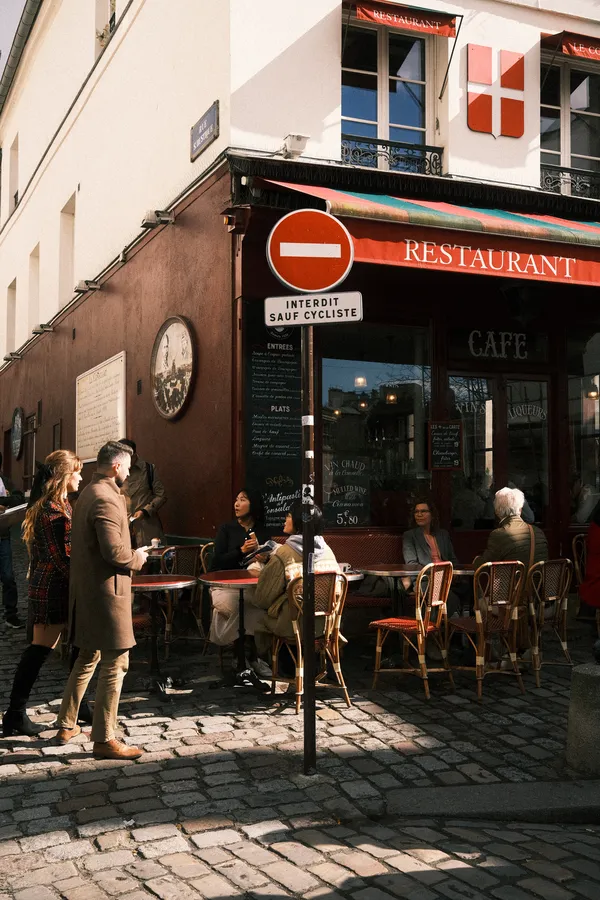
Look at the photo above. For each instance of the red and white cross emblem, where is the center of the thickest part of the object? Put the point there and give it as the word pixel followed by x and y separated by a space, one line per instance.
pixel 495 91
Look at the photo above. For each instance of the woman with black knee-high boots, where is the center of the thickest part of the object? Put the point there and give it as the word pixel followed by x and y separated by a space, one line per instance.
pixel 47 534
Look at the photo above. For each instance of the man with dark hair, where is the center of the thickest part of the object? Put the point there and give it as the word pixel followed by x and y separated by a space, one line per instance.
pixel 145 494
pixel 100 621
pixel 10 595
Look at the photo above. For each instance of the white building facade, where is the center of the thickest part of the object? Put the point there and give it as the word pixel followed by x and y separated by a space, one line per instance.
pixel 93 136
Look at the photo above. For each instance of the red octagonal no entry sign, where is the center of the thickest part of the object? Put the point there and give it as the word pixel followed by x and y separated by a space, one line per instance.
pixel 310 250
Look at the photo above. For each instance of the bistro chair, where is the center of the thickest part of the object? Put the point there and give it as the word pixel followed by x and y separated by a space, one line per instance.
pixel 497 589
pixel 206 556
pixel 182 560
pixel 547 593
pixel 430 622
pixel 330 595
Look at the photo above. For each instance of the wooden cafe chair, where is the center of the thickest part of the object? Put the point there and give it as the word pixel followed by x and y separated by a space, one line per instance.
pixel 497 593
pixel 330 594
pixel 547 593
pixel 430 622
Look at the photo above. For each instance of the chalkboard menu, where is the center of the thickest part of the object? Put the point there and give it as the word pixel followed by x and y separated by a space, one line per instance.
pixel 346 490
pixel 445 445
pixel 273 411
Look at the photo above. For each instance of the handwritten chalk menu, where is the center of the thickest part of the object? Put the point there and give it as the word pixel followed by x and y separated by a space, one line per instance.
pixel 273 405
pixel 100 406
pixel 445 445
pixel 346 490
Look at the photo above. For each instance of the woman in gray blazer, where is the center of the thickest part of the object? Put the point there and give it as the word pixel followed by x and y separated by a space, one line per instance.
pixel 425 543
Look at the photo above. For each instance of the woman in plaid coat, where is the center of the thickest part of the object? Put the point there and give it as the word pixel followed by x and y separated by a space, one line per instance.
pixel 47 533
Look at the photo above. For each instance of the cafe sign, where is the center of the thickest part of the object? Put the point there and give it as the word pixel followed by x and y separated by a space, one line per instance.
pixel 497 345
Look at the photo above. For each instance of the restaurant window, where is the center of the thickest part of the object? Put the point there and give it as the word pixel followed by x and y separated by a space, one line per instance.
pixel 584 423
pixel 376 389
pixel 472 403
pixel 383 96
pixel 570 128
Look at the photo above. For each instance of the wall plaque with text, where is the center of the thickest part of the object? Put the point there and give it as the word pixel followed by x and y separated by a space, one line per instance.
pixel 100 407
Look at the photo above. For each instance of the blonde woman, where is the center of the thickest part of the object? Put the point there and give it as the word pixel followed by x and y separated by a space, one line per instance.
pixel 47 534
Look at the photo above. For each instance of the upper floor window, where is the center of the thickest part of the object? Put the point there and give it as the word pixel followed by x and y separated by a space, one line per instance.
pixel 570 128
pixel 384 96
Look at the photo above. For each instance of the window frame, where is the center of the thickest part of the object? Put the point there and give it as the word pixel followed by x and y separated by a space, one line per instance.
pixel 383 79
pixel 566 66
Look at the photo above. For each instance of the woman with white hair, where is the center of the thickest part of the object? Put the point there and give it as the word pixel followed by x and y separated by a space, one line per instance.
pixel 513 538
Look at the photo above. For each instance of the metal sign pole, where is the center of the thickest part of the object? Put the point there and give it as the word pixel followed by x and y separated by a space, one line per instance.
pixel 308 548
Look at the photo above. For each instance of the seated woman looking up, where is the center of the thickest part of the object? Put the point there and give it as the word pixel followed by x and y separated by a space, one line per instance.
pixel 233 542
pixel 284 565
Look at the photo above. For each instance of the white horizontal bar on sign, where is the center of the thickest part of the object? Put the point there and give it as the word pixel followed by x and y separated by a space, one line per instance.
pixel 305 249
pixel 314 309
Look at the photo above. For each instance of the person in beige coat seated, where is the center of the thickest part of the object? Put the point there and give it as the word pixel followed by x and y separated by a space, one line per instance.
pixel 284 565
pixel 513 538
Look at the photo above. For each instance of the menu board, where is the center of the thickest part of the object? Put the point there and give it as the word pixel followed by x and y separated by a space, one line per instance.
pixel 273 423
pixel 346 490
pixel 100 407
pixel 445 445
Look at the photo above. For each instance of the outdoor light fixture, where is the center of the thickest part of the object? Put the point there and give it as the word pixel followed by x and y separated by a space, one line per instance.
pixel 363 404
pixel 592 394
pixel 83 286
pixel 360 381
pixel 294 145
pixel 391 398
pixel 12 356
pixel 337 412
pixel 41 329
pixel 156 217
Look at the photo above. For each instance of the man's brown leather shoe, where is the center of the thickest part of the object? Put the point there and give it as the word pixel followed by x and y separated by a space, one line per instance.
pixel 115 749
pixel 64 735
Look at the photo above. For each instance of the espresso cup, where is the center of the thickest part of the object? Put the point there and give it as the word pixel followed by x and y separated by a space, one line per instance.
pixel 155 542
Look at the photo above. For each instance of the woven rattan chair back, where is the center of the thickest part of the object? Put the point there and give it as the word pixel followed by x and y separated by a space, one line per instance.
pixel 498 588
pixel 431 593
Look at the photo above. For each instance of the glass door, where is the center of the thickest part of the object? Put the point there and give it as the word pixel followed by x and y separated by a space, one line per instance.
pixel 505 442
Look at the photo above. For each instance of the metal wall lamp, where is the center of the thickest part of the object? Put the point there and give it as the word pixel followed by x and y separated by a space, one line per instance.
pixel 12 356
pixel 83 286
pixel 41 329
pixel 155 217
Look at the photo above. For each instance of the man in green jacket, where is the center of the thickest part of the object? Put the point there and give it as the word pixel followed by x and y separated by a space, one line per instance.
pixel 512 538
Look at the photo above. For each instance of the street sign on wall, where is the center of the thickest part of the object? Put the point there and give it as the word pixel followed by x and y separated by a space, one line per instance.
pixel 310 250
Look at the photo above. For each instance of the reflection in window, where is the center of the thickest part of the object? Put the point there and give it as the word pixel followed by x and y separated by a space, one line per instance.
pixel 376 388
pixel 527 417
pixel 584 423
pixel 471 402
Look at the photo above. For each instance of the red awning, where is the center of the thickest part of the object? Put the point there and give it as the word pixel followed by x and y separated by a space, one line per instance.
pixel 430 234
pixel 409 18
pixel 572 44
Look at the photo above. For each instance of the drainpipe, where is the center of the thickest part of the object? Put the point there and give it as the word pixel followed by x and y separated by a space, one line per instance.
pixel 28 17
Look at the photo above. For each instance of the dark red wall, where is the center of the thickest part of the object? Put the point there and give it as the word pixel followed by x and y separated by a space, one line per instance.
pixel 182 269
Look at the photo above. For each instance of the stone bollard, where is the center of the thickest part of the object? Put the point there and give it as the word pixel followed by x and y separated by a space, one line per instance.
pixel 583 731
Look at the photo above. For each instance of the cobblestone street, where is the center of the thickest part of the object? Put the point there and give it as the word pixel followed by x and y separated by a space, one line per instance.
pixel 218 806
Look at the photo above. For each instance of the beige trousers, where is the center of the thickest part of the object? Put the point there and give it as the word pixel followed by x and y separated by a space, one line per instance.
pixel 113 668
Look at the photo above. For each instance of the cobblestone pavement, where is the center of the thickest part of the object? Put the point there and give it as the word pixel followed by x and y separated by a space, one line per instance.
pixel 218 806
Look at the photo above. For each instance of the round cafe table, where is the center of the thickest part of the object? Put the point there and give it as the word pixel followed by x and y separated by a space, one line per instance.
pixel 239 579
pixel 153 585
pixel 402 570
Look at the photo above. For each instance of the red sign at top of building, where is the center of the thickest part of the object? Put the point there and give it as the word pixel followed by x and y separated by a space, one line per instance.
pixel 310 251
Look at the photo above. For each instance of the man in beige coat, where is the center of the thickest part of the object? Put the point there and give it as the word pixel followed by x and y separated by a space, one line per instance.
pixel 100 620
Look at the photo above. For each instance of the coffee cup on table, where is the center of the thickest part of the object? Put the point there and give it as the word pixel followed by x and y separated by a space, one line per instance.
pixel 155 543
pixel 345 567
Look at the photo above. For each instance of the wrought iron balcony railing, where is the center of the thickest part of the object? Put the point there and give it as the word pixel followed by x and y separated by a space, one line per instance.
pixel 576 182
pixel 395 156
